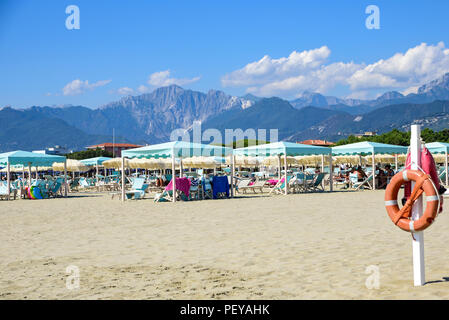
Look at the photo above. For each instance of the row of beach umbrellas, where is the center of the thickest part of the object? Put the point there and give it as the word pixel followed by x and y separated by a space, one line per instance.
pixel 214 162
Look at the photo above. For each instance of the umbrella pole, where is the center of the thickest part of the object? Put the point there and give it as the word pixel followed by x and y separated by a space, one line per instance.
pixel 29 174
pixel 396 162
pixel 181 174
pixel 65 178
pixel 173 164
pixel 446 167
pixel 123 179
pixel 373 160
pixel 232 175
pixel 331 176
pixel 279 167
pixel 286 180
pixel 8 178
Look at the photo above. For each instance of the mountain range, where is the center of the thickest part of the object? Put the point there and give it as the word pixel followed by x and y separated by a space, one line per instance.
pixel 150 118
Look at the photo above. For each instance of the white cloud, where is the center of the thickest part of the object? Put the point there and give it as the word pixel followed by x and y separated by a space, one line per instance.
pixel 162 78
pixel 309 70
pixel 418 65
pixel 143 89
pixel 125 91
pixel 78 86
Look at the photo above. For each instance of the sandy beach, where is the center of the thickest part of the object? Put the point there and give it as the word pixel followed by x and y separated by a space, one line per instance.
pixel 302 246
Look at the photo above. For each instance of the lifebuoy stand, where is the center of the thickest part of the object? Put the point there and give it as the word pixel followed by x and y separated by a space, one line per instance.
pixel 419 274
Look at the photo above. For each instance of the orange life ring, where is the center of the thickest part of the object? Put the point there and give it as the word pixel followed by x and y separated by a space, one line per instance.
pixel 402 217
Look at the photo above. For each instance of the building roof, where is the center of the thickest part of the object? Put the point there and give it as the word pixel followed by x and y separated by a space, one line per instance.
pixel 116 145
pixel 317 142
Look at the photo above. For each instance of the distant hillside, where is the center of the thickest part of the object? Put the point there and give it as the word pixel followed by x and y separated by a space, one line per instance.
pixel 271 113
pixel 26 130
pixel 437 89
pixel 432 115
pixel 150 118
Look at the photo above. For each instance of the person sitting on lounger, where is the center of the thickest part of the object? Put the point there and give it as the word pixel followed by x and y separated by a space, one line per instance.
pixel 381 178
pixel 361 175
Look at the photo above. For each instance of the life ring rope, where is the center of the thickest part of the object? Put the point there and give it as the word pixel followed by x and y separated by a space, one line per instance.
pixel 403 217
pixel 431 181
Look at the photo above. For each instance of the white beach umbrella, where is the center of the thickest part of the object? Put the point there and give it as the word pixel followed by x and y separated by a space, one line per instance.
pixel 381 158
pixel 201 162
pixel 115 163
pixel 150 164
pixel 354 160
pixel 72 166
pixel 273 161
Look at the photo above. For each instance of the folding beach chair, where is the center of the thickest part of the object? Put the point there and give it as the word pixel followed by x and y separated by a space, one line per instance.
pixel 55 187
pixel 206 191
pixel 167 194
pixel 442 175
pixel 279 188
pixel 316 184
pixel 365 184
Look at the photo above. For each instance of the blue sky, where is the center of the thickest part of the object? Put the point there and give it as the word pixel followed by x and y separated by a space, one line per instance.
pixel 135 46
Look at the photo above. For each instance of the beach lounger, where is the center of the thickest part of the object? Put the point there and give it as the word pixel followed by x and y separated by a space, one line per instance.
pixel 4 192
pixel 257 185
pixel 137 190
pixel 243 185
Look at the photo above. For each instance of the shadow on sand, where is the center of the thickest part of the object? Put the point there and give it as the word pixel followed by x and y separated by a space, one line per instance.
pixel 444 279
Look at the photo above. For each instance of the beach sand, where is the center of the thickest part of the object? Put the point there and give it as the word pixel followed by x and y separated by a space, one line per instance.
pixel 303 246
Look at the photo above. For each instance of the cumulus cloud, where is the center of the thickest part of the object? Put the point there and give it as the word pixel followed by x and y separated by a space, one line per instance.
pixel 143 89
pixel 417 65
pixel 309 70
pixel 125 91
pixel 162 78
pixel 78 86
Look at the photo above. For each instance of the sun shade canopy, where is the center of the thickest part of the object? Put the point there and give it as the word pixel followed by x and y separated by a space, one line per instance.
pixel 179 149
pixel 368 148
pixel 282 148
pixel 95 161
pixel 26 158
pixel 438 147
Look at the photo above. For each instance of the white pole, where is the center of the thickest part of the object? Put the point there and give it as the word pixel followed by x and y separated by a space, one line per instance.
pixel 123 179
pixel 396 162
pixel 29 174
pixel 232 175
pixel 66 187
pixel 181 173
pixel 373 160
pixel 173 164
pixel 8 179
pixel 286 180
pixel 417 210
pixel 331 170
pixel 322 163
pixel 279 167
pixel 445 166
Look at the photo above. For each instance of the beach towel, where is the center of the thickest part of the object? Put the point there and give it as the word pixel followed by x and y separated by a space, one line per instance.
pixel 182 184
pixel 220 185
pixel 428 165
